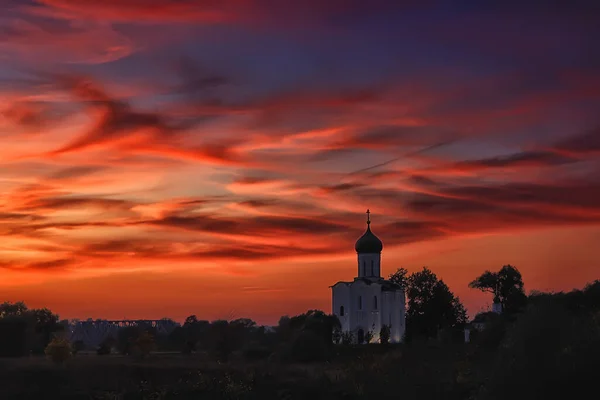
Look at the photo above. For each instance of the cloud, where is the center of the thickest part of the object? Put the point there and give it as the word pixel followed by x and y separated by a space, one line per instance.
pixel 212 11
pixel 587 144
pixel 141 10
pixel 575 148
pixel 248 141
pixel 54 41
pixel 53 266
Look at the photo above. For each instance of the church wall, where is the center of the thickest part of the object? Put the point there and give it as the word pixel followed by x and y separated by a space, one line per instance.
pixel 394 314
pixel 341 297
pixel 368 318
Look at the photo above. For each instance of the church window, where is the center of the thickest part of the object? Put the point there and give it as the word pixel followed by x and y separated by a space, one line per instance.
pixel 374 302
pixel 360 302
pixel 372 270
pixel 360 336
pixel 341 311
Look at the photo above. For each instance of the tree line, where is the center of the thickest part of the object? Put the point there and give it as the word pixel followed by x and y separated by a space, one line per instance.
pixel 433 312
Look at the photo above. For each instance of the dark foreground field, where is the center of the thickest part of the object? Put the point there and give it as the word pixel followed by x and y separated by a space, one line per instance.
pixel 356 374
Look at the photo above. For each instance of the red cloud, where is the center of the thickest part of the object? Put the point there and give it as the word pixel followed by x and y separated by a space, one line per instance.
pixel 214 11
pixel 150 10
pixel 52 41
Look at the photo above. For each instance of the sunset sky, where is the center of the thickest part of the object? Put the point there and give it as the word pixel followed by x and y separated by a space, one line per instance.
pixel 162 158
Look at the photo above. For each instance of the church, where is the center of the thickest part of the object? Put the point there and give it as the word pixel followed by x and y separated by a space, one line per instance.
pixel 369 301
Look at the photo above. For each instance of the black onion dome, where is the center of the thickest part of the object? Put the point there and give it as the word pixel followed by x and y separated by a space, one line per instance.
pixel 368 243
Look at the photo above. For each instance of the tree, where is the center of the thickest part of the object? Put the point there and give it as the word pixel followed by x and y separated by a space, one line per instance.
pixel 13 336
pixel 322 324
pixel 126 337
pixel 241 331
pixel 12 309
pixel 400 277
pixel 45 324
pixel 432 307
pixel 39 324
pixel 549 352
pixel 221 340
pixel 506 285
pixel 191 320
pixel 195 331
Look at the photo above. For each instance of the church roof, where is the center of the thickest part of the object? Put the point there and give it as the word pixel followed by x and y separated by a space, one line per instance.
pixel 368 242
pixel 386 286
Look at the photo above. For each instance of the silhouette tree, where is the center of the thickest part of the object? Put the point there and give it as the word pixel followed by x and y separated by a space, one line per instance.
pixel 400 277
pixel 13 336
pixel 548 352
pixel 46 323
pixel 221 339
pixel 13 309
pixel 432 307
pixel 506 285
pixel 39 324
pixel 195 333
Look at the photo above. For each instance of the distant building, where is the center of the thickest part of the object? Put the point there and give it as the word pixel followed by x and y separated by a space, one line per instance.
pixel 93 332
pixel 369 301
pixel 481 321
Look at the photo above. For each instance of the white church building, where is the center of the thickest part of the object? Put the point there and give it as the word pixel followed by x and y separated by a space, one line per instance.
pixel 369 301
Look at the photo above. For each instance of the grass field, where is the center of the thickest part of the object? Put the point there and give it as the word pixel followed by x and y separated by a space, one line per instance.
pixel 356 374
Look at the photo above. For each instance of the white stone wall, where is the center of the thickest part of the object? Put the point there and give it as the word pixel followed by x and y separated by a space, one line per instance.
pixel 390 309
pixel 369 265
pixel 341 297
pixel 393 314
pixel 368 318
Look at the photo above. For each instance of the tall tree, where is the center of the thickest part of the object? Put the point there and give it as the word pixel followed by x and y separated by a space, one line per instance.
pixel 46 323
pixel 13 309
pixel 400 277
pixel 506 285
pixel 432 307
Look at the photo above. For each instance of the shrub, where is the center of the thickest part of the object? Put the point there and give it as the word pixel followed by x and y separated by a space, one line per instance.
pixel 369 336
pixel 308 347
pixel 336 336
pixel 106 346
pixel 347 338
pixel 59 350
pixel 384 334
pixel 144 344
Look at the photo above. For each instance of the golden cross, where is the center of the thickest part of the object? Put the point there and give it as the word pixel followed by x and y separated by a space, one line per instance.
pixel 368 216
